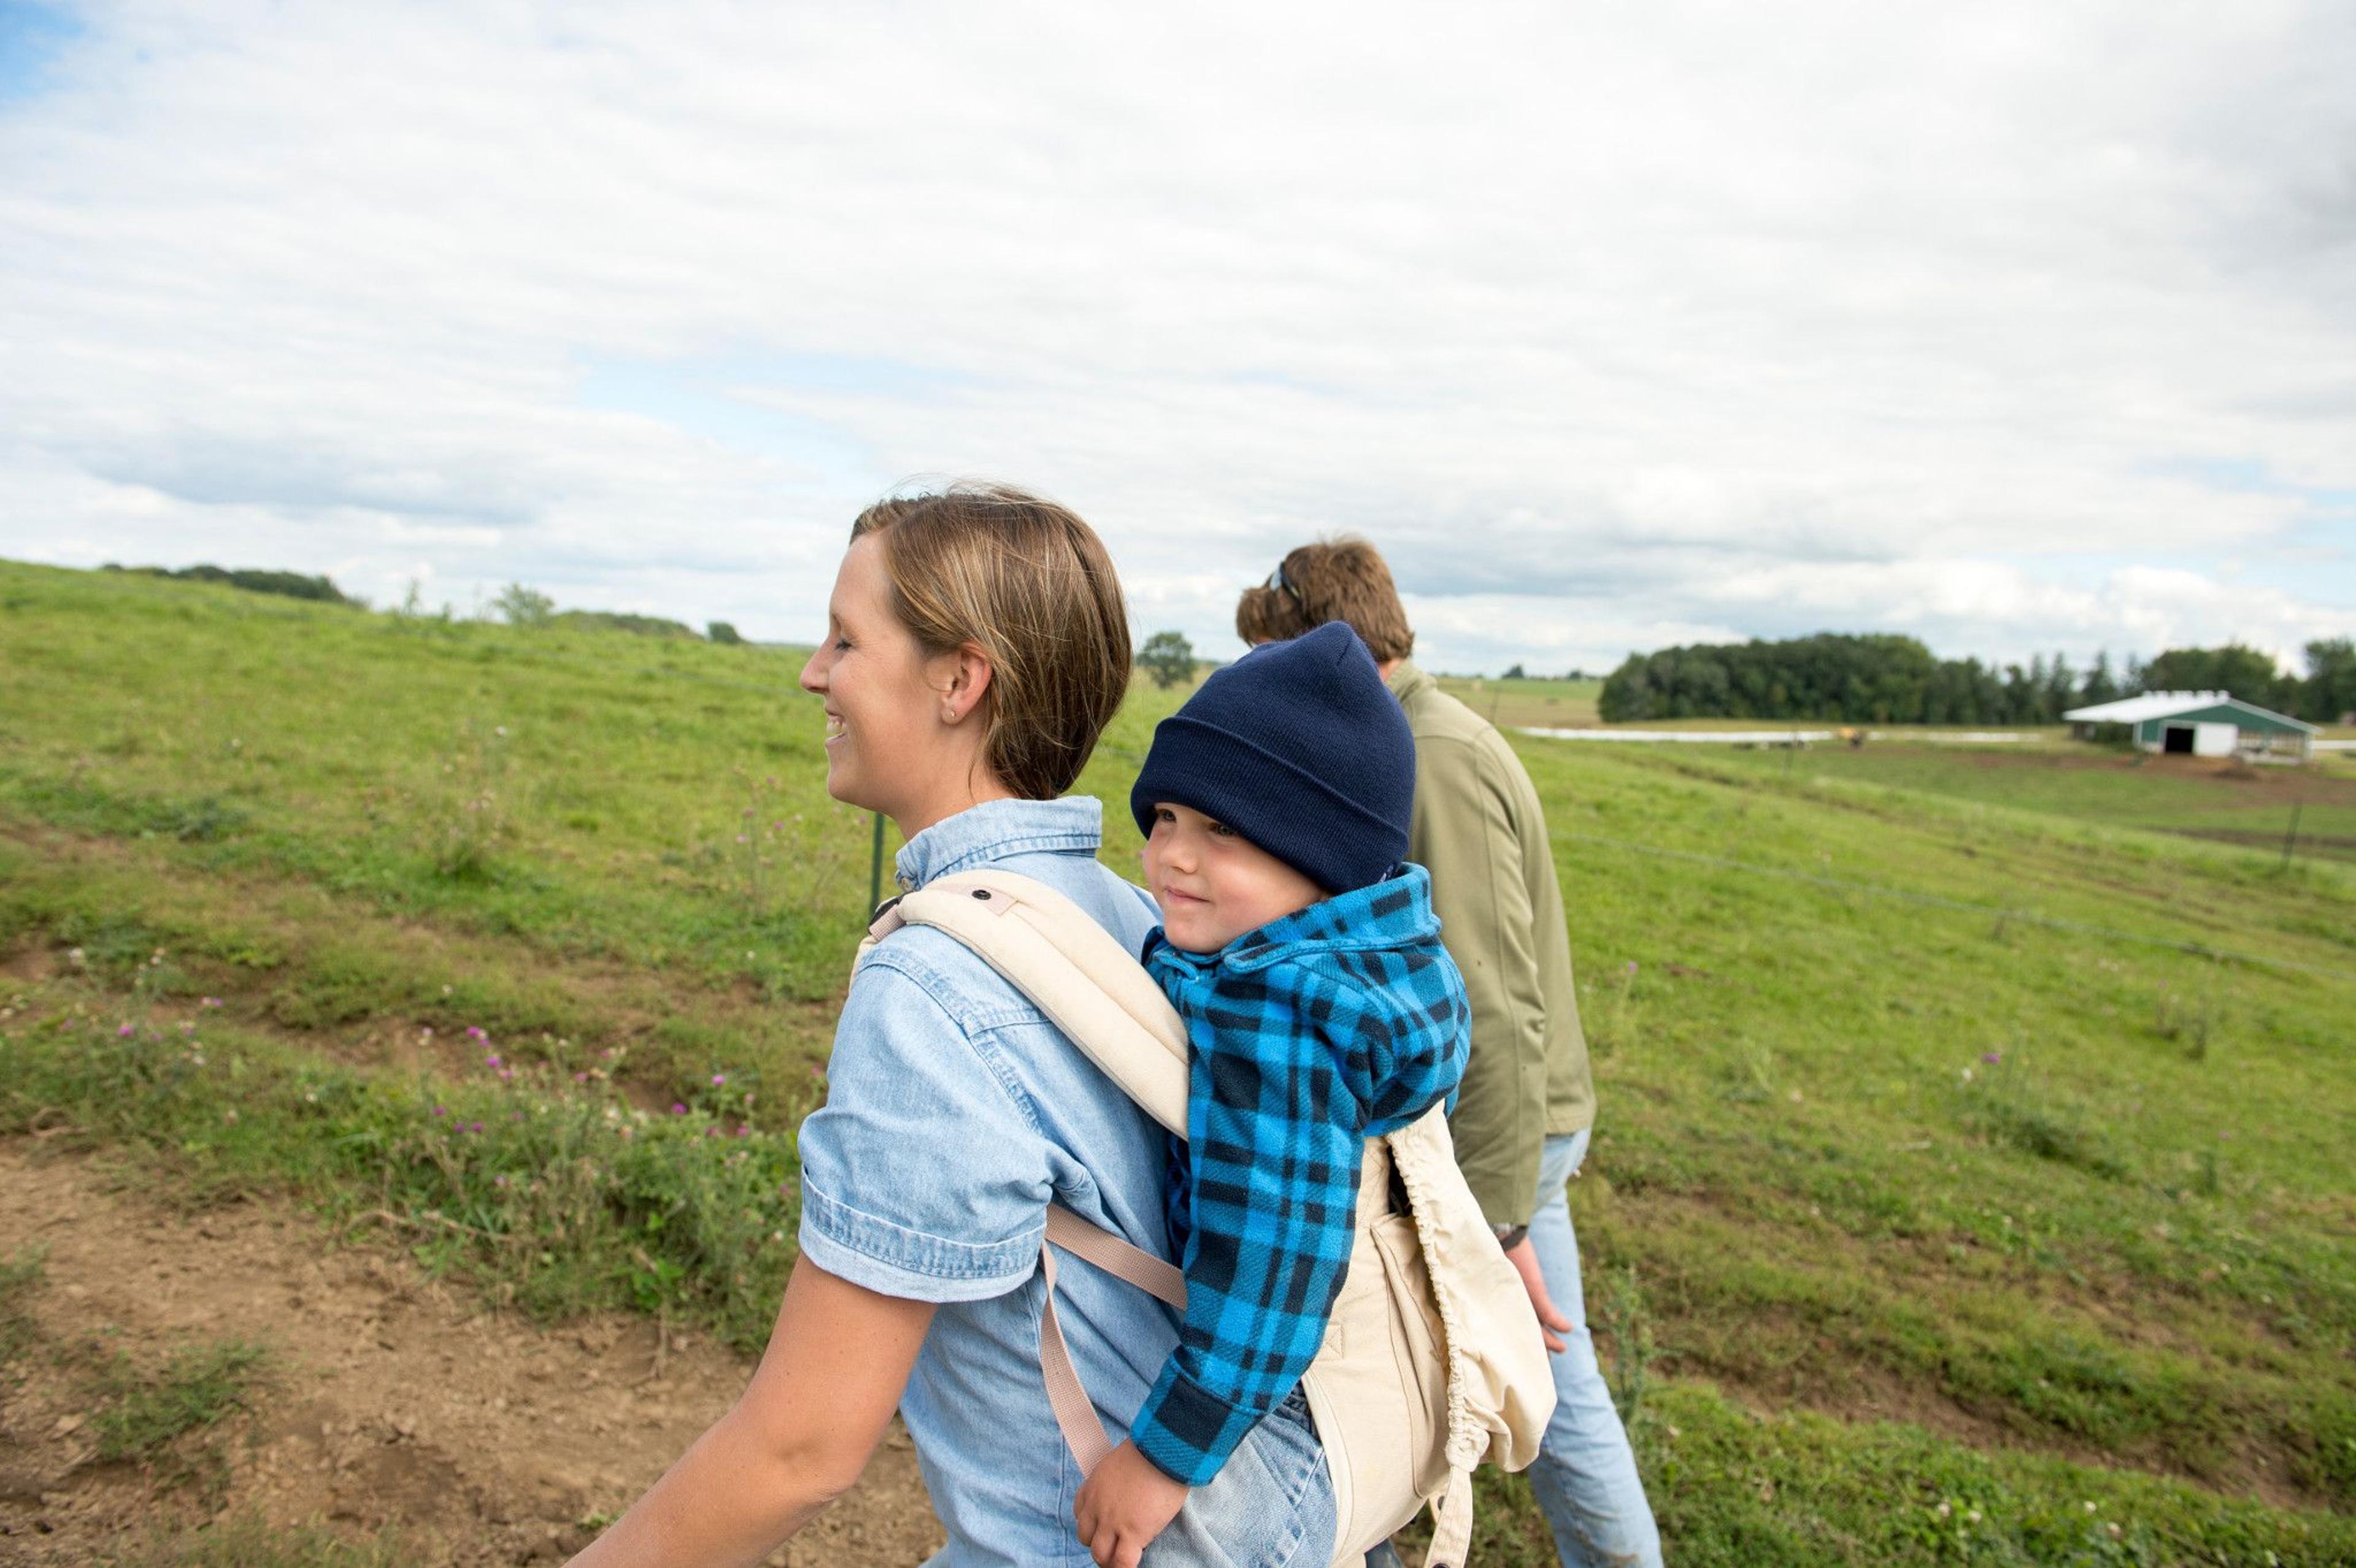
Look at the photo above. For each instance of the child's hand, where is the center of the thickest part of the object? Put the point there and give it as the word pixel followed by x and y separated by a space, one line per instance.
pixel 1124 1506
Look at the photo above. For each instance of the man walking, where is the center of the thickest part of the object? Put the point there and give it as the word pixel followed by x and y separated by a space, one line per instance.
pixel 1527 1100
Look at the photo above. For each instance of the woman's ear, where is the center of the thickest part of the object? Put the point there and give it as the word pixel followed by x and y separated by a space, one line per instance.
pixel 964 679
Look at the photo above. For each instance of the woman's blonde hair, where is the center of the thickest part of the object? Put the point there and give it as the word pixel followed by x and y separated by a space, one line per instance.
pixel 1339 579
pixel 1030 584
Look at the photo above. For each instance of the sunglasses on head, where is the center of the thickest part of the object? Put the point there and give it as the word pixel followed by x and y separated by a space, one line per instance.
pixel 1275 579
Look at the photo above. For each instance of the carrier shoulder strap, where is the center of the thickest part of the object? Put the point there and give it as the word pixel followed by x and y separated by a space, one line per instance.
pixel 1055 952
pixel 1075 971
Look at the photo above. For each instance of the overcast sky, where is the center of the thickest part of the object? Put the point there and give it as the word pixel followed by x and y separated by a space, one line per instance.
pixel 2015 326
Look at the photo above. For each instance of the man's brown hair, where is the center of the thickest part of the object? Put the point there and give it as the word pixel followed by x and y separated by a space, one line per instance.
pixel 1030 584
pixel 1341 579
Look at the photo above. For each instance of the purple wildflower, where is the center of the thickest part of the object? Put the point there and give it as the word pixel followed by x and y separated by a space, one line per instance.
pixel 441 1110
pixel 126 1031
pixel 212 1002
pixel 718 1078
pixel 1992 1057
pixel 677 1109
pixel 743 1130
pixel 474 1031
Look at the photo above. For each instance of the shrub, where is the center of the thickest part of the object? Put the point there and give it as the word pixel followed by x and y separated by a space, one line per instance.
pixel 523 606
pixel 286 585
pixel 1168 657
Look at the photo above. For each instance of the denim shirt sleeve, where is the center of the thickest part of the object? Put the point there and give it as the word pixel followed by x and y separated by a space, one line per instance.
pixel 923 1176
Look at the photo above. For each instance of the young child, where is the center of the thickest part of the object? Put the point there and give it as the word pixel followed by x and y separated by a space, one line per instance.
pixel 1322 1011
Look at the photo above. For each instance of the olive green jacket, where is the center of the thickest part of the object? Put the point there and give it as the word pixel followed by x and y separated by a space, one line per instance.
pixel 1478 829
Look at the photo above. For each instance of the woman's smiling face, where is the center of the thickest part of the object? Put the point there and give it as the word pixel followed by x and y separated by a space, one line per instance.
pixel 885 729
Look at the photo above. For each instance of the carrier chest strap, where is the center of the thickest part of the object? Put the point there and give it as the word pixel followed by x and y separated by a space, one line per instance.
pixel 1083 1431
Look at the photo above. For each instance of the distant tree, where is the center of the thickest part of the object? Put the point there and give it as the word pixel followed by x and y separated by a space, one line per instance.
pixel 2237 670
pixel 1513 673
pixel 722 632
pixel 1168 657
pixel 523 606
pixel 253 580
pixel 2100 685
pixel 622 621
pixel 1869 680
pixel 2331 684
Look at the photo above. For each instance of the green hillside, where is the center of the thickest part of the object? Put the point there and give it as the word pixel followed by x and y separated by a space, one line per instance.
pixel 1972 1183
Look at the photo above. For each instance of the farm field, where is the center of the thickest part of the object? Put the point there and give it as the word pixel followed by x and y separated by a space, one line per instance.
pixel 1527 704
pixel 2202 797
pixel 403 1025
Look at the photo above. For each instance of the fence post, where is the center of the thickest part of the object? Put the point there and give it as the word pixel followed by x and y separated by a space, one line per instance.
pixel 2290 839
pixel 875 869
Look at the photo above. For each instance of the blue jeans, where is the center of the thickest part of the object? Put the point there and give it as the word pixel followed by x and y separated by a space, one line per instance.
pixel 1276 1480
pixel 1585 1474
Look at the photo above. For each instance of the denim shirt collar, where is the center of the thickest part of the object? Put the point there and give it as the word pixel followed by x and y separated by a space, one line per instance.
pixel 996 829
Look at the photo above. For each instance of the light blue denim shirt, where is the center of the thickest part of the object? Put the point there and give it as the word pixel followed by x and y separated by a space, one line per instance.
pixel 955 1114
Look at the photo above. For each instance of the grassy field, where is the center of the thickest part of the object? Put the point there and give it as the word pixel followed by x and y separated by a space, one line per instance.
pixel 1971 1183
pixel 2224 801
pixel 1527 704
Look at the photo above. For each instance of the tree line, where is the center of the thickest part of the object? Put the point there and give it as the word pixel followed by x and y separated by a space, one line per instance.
pixel 1889 679
pixel 253 580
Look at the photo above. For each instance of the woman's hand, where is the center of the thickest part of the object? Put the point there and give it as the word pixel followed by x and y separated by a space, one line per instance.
pixel 1552 1324
pixel 819 1403
pixel 1123 1506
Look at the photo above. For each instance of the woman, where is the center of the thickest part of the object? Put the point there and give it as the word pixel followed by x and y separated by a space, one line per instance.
pixel 977 645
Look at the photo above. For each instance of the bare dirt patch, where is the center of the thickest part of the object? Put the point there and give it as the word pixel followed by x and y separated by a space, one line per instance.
pixel 394 1400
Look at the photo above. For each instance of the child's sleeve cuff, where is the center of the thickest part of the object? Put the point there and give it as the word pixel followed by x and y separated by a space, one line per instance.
pixel 1187 1431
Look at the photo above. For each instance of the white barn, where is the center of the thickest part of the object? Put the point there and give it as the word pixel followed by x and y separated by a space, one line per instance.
pixel 2200 724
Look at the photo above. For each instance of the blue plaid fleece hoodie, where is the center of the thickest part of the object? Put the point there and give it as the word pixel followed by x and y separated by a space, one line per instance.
pixel 1334 1024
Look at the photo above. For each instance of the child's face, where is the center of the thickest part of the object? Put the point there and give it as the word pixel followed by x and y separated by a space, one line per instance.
pixel 1213 883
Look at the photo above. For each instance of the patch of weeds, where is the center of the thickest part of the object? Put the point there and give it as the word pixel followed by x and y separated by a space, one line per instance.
pixel 1628 1322
pixel 19 1277
pixel 249 1541
pixel 2001 1103
pixel 542 1184
pixel 1612 1023
pixel 1734 1490
pixel 2330 1465
pixel 144 1413
pixel 1751 1077
pixel 471 814
pixel 93 807
pixel 115 945
pixel 202 820
pixel 2192 1022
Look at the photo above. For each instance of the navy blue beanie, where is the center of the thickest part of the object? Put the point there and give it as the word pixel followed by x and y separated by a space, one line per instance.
pixel 1300 747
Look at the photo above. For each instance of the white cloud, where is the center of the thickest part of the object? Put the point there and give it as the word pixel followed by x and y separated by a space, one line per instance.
pixel 2014 326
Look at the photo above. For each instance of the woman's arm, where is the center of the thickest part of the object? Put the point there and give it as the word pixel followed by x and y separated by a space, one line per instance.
pixel 799 1437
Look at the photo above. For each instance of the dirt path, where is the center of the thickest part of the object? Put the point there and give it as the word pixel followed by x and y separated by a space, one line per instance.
pixel 396 1401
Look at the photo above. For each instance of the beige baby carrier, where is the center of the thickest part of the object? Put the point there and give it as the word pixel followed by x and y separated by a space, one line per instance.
pixel 1433 1362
